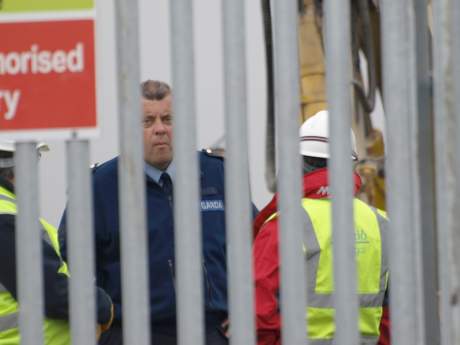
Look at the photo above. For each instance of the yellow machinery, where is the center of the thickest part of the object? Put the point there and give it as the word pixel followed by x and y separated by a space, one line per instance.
pixel 365 39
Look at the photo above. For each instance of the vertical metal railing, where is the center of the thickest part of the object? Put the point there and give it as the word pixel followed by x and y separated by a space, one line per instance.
pixel 413 138
pixel 133 240
pixel 187 224
pixel 339 88
pixel 81 246
pixel 409 176
pixel 399 98
pixel 446 52
pixel 287 93
pixel 426 167
pixel 455 29
pixel 28 245
pixel 456 164
pixel 238 205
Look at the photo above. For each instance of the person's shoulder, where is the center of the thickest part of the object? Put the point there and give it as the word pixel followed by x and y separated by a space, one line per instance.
pixel 105 171
pixel 208 156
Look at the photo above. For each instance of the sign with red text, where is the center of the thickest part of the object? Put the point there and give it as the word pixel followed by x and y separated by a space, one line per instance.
pixel 47 71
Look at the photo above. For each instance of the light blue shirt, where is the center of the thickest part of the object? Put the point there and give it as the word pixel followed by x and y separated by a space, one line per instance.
pixel 155 173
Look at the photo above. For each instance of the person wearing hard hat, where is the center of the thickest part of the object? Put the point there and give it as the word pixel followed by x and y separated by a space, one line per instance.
pixel 372 261
pixel 56 299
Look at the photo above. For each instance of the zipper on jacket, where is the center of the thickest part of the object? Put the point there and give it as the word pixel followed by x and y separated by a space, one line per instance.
pixel 208 283
pixel 171 270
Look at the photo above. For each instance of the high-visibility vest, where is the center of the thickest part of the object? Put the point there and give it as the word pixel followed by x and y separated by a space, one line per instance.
pixel 371 268
pixel 56 332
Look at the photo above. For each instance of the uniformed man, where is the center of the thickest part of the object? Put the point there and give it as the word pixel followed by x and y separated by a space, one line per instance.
pixel 160 174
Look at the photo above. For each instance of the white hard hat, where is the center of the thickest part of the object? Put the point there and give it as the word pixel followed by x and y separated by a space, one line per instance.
pixel 9 146
pixel 314 136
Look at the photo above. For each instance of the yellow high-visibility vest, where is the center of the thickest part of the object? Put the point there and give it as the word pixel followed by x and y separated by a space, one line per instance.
pixel 56 332
pixel 372 270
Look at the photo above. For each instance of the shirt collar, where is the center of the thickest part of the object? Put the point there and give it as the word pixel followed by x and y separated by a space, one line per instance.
pixel 155 173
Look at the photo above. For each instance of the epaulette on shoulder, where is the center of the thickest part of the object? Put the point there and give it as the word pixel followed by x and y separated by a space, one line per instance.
pixel 94 167
pixel 214 152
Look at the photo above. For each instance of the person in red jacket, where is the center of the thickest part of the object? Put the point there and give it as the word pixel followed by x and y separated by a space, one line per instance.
pixel 314 149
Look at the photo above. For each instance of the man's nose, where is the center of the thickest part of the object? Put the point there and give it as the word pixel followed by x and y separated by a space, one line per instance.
pixel 159 127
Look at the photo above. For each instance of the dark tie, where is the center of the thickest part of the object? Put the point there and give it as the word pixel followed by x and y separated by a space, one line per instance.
pixel 166 184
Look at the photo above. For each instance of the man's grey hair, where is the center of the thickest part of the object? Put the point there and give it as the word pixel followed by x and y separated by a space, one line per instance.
pixel 155 90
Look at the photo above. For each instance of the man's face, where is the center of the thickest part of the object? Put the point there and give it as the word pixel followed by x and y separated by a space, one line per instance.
pixel 157 123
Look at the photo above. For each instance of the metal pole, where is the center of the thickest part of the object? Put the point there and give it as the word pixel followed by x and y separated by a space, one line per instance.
pixel 426 206
pixel 455 29
pixel 446 102
pixel 238 205
pixel 186 193
pixel 339 90
pixel 136 311
pixel 400 106
pixel 28 245
pixel 287 93
pixel 81 248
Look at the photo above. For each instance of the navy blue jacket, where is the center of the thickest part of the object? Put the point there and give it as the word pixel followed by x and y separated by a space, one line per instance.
pixel 161 239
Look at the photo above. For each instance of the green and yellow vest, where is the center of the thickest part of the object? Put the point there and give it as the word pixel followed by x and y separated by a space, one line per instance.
pixel 56 332
pixel 372 270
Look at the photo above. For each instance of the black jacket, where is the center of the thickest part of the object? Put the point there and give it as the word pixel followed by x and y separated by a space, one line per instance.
pixel 56 288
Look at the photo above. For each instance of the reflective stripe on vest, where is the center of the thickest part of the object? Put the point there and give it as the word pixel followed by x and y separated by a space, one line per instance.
pixel 364 341
pixel 369 241
pixel 6 198
pixel 9 321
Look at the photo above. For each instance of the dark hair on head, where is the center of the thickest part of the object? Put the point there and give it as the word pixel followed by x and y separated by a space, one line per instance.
pixel 6 154
pixel 7 173
pixel 315 161
pixel 155 90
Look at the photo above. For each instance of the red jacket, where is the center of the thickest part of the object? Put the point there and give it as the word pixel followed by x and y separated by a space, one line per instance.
pixel 266 265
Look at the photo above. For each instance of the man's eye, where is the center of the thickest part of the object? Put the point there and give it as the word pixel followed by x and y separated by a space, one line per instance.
pixel 167 120
pixel 147 122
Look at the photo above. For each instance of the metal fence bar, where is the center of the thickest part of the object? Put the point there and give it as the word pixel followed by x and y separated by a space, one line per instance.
pixel 413 165
pixel 238 205
pixel 28 245
pixel 81 249
pixel 287 93
pixel 426 201
pixel 339 87
pixel 399 91
pixel 445 49
pixel 456 170
pixel 136 311
pixel 186 193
